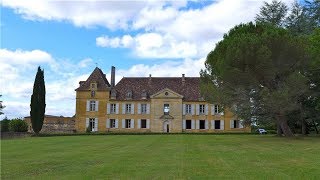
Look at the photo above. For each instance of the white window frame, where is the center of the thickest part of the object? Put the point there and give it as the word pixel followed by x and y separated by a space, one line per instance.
pixel 202 109
pixel 112 123
pixel 128 108
pixel 188 109
pixel 113 108
pixel 92 106
pixel 128 123
pixel 143 108
pixel 216 109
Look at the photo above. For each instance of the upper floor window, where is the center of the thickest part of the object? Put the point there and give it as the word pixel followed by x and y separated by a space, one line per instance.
pixel 188 108
pixel 113 108
pixel 143 108
pixel 128 108
pixel 216 109
pixel 166 109
pixel 92 106
pixel 93 93
pixel 201 109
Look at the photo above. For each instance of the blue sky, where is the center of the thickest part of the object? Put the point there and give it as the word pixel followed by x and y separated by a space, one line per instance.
pixel 70 38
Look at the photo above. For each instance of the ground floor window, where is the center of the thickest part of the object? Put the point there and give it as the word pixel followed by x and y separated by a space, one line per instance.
pixel 188 124
pixel 202 124
pixel 236 124
pixel 128 123
pixel 91 124
pixel 112 123
pixel 217 124
pixel 143 123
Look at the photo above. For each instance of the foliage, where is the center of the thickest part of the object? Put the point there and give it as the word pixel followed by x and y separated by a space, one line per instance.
pixel 18 125
pixel 5 125
pixel 38 103
pixel 1 106
pixel 152 157
pixel 273 13
pixel 255 70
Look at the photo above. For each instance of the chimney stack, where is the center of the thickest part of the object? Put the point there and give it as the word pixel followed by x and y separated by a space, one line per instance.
pixel 183 79
pixel 113 74
pixel 149 79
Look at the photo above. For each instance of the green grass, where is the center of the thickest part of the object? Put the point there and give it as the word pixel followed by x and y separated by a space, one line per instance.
pixel 161 157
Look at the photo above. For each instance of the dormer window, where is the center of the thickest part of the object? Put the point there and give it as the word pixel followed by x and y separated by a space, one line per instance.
pixel 93 85
pixel 129 95
pixel 144 95
pixel 113 94
pixel 93 93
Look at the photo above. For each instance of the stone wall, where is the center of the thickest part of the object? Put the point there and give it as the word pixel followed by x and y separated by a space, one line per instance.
pixel 55 124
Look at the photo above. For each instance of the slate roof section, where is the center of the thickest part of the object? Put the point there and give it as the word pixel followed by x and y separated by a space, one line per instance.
pixel 190 89
pixel 98 77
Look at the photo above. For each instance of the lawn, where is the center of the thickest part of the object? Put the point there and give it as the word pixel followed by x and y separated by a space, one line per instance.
pixel 161 157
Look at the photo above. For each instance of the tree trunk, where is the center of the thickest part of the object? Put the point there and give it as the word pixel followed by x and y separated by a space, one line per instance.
pixel 315 126
pixel 279 131
pixel 282 120
pixel 303 127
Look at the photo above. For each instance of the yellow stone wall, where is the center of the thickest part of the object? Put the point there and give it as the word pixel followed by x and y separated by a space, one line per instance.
pixel 156 102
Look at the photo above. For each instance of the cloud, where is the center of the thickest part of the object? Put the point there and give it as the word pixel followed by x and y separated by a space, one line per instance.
pixel 21 57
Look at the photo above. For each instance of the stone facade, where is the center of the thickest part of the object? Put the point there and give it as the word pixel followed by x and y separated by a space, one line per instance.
pixel 149 104
pixel 55 124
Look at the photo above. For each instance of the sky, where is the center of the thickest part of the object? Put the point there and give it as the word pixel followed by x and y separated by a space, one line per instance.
pixel 69 38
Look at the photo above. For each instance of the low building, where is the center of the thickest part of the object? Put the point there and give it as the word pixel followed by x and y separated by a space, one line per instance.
pixel 54 124
pixel 149 104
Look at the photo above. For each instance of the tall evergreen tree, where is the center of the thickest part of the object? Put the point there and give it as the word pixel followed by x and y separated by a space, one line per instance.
pixel 38 102
pixel 272 13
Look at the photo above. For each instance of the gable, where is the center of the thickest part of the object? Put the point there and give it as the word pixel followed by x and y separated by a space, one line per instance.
pixel 166 93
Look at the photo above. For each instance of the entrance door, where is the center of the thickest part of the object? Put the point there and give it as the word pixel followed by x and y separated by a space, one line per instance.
pixel 91 124
pixel 166 127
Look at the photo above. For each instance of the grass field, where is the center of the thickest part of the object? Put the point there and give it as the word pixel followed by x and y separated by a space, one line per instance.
pixel 161 157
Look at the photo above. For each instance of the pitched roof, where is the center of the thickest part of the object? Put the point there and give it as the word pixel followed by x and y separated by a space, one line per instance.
pixel 190 89
pixel 96 76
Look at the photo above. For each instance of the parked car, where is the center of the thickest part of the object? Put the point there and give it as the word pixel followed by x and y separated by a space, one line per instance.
pixel 261 131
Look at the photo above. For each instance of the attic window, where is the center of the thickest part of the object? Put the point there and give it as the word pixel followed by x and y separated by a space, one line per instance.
pixel 113 94
pixel 144 95
pixel 93 93
pixel 93 85
pixel 166 93
pixel 129 94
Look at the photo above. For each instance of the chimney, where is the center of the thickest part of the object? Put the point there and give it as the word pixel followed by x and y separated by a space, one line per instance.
pixel 113 74
pixel 183 79
pixel 149 79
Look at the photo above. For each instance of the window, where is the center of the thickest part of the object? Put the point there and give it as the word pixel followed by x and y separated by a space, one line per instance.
pixel 236 124
pixel 93 85
pixel 112 123
pixel 113 108
pixel 217 124
pixel 188 108
pixel 143 108
pixel 216 109
pixel 202 124
pixel 143 123
pixel 129 94
pixel 166 109
pixel 92 105
pixel 188 124
pixel 201 109
pixel 91 124
pixel 128 123
pixel 93 93
pixel 128 108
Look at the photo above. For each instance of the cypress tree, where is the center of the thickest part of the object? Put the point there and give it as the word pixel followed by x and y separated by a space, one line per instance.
pixel 38 102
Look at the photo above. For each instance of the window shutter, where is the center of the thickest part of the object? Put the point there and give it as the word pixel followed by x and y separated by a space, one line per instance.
pixel 206 125
pixel 148 108
pixel 117 108
pixel 212 109
pixel 206 109
pixel 87 123
pixel 132 123
pixel 132 108
pixel 96 124
pixel 192 109
pixel 123 108
pixel 197 124
pixel 139 108
pixel 97 106
pixel 139 123
pixel 197 109
pixel 192 124
pixel 184 124
pixel 241 124
pixel 108 108
pixel 108 123
pixel 123 123
pixel 88 105
pixel 117 123
pixel 222 124
pixel 184 109
pixel 231 124
pixel 212 123
pixel 148 123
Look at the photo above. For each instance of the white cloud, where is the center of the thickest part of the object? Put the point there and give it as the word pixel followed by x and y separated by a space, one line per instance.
pixel 21 57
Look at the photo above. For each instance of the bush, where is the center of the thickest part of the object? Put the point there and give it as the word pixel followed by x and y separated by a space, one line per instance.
pixel 18 125
pixel 5 125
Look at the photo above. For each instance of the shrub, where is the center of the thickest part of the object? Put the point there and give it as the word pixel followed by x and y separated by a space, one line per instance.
pixel 18 125
pixel 5 125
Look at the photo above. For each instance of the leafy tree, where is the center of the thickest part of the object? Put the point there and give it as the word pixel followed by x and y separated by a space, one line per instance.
pixel 38 103
pixel 255 70
pixel 298 21
pixel 273 13
pixel 18 125
pixel 5 124
pixel 1 106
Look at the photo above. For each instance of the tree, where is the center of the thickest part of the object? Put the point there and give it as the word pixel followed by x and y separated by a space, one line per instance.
pixel 5 124
pixel 298 21
pixel 273 13
pixel 38 103
pixel 1 106
pixel 255 70
pixel 18 125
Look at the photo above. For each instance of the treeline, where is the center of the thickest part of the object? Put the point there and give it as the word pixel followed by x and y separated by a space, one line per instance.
pixel 13 125
pixel 268 71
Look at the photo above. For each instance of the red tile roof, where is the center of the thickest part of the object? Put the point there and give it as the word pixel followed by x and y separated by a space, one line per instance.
pixel 190 89
pixel 98 77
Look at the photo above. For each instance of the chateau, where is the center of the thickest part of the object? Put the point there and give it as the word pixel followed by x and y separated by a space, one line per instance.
pixel 148 104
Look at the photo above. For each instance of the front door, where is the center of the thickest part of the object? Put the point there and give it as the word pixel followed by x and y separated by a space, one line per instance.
pixel 166 126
